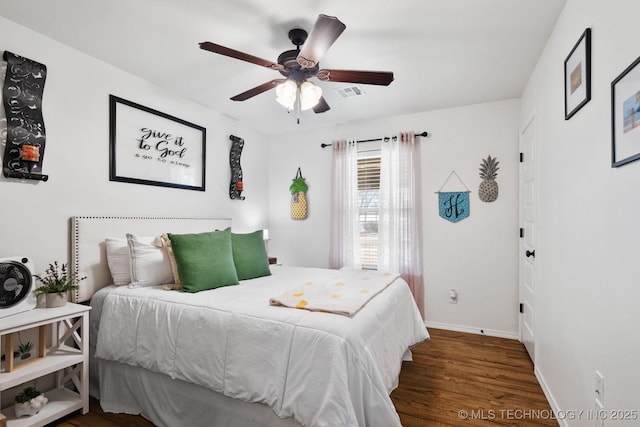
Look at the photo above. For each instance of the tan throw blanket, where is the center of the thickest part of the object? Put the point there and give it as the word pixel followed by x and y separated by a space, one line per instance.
pixel 345 293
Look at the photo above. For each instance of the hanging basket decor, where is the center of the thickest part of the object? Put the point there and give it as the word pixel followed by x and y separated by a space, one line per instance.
pixel 298 191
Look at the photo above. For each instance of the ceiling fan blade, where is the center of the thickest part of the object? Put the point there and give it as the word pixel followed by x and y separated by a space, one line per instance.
pixel 382 78
pixel 216 48
pixel 321 106
pixel 325 31
pixel 257 90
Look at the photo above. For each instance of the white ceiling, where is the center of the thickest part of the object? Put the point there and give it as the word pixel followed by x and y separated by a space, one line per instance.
pixel 444 53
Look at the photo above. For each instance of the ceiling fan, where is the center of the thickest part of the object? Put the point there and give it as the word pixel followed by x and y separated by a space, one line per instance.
pixel 300 64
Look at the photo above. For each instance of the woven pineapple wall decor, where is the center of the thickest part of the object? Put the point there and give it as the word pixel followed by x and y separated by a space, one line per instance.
pixel 298 191
pixel 453 205
pixel 488 191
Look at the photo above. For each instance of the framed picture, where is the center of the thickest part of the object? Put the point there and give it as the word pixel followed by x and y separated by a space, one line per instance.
pixel 625 116
pixel 153 148
pixel 577 75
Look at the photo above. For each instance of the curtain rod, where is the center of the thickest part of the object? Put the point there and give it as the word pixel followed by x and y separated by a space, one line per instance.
pixel 385 139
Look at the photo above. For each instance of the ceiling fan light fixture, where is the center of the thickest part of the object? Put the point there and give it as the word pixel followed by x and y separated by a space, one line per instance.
pixel 286 93
pixel 310 95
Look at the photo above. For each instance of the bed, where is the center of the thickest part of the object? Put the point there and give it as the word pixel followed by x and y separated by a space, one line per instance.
pixel 227 356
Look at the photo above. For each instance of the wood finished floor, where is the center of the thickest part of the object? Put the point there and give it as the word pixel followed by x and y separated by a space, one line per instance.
pixel 456 375
pixel 490 379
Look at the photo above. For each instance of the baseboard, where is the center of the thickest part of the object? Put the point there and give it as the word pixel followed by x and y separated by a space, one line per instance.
pixel 472 330
pixel 547 393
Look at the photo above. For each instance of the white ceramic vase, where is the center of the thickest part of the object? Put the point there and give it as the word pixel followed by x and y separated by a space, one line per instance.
pixel 31 407
pixel 55 300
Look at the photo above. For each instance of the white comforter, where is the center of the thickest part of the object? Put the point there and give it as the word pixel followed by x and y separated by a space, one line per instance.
pixel 322 369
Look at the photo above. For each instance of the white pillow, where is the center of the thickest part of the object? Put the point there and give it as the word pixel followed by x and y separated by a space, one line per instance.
pixel 150 263
pixel 118 260
pixel 176 285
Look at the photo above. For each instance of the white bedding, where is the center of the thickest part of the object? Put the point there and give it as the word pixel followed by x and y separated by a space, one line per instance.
pixel 322 369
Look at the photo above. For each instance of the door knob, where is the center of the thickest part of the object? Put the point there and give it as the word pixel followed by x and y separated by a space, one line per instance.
pixel 530 253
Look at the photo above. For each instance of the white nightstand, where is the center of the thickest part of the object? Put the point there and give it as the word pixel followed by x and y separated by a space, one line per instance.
pixel 68 358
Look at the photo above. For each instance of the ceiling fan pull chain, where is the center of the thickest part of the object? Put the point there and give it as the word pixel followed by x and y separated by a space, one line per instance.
pixel 298 103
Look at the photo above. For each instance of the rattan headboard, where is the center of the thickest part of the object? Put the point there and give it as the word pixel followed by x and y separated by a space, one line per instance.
pixel 88 254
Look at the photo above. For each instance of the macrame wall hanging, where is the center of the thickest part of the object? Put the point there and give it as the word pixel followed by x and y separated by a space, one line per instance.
pixel 22 99
pixel 453 205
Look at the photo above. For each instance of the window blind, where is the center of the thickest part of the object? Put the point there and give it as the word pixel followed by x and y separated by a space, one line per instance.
pixel 369 173
pixel 369 204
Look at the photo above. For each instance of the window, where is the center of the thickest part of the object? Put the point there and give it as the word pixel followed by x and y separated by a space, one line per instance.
pixel 369 205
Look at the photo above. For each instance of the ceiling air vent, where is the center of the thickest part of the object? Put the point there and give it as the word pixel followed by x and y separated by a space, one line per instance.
pixel 348 92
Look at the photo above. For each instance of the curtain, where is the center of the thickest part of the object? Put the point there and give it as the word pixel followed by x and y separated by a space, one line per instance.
pixel 400 231
pixel 344 250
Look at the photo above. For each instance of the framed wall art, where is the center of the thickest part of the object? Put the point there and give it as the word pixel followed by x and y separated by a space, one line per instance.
pixel 577 76
pixel 625 116
pixel 153 148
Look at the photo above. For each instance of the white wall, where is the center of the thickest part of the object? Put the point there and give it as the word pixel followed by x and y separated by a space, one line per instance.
pixel 34 215
pixel 588 293
pixel 477 256
pixel 587 252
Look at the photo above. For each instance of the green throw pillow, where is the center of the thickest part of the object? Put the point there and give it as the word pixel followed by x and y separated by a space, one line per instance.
pixel 204 260
pixel 250 255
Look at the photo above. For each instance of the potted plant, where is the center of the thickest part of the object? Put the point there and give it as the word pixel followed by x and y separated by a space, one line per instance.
pixel 56 283
pixel 29 402
pixel 25 350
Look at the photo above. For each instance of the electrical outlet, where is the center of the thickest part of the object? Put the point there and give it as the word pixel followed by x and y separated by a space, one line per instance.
pixel 599 388
pixel 453 296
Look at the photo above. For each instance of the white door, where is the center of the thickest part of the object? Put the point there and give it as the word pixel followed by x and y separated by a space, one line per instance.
pixel 528 237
